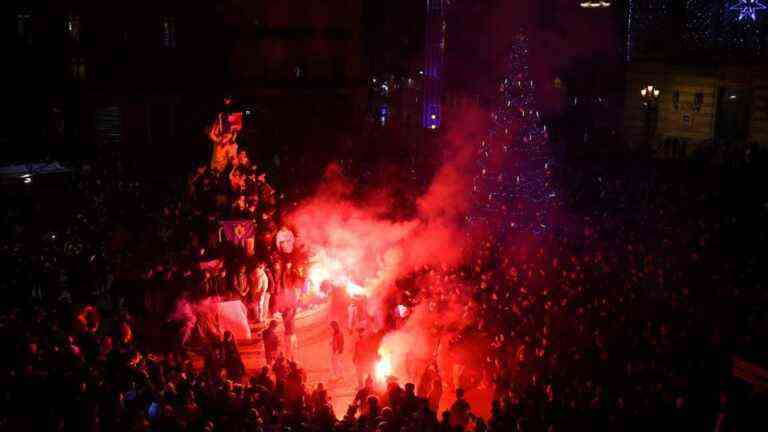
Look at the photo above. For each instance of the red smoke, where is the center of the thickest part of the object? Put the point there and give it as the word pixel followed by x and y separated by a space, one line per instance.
pixel 350 238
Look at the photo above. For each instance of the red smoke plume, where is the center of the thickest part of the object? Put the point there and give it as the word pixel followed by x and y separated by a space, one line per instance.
pixel 350 238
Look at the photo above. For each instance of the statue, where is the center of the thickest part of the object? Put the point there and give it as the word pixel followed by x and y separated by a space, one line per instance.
pixel 223 133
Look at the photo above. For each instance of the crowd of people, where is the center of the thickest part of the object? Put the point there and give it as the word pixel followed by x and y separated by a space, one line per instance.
pixel 631 315
pixel 83 369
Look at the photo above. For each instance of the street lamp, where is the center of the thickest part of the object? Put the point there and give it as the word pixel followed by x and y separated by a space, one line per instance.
pixel 649 96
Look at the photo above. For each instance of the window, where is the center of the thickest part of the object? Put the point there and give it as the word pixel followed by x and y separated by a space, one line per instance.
pixel 168 32
pixel 24 26
pixel 73 27
pixel 676 100
pixel 77 68
pixel 698 101
pixel 107 125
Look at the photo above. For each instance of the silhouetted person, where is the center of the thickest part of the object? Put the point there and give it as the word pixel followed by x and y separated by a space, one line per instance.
pixel 460 411
pixel 271 342
pixel 337 349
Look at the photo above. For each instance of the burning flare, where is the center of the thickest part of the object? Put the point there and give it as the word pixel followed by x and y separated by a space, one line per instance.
pixel 354 289
pixel 326 268
pixel 383 366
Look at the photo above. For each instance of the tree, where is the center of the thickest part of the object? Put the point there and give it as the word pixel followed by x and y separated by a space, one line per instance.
pixel 513 188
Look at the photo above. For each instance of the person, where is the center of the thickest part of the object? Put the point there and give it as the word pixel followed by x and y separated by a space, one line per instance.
pixel 319 398
pixel 259 299
pixel 362 357
pixel 363 393
pixel 242 284
pixel 435 393
pixel 263 379
pixel 233 362
pixel 291 341
pixel 357 312
pixel 337 349
pixel 223 133
pixel 369 414
pixel 460 411
pixel 410 402
pixel 425 383
pixel 271 342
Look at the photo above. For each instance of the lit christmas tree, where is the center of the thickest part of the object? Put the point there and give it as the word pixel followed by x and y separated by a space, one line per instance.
pixel 514 187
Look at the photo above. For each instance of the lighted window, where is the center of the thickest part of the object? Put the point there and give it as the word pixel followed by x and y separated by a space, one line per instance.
pixel 73 27
pixel 168 32
pixel 77 68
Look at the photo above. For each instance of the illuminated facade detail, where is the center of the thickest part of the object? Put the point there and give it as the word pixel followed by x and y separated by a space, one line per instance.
pixel 747 9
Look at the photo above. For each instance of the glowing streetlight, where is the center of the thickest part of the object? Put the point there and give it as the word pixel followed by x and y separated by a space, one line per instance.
pixel 650 96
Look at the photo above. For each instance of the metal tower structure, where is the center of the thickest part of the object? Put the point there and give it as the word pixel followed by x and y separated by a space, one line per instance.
pixel 434 52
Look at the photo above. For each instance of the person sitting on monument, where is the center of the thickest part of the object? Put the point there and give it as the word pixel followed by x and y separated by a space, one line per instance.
pixel 224 147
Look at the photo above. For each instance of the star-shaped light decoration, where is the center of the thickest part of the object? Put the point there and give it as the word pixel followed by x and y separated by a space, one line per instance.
pixel 748 9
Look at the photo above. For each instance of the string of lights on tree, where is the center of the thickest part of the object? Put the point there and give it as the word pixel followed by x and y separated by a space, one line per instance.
pixel 514 186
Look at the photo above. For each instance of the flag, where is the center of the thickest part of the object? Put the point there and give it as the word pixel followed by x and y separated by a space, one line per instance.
pixel 238 231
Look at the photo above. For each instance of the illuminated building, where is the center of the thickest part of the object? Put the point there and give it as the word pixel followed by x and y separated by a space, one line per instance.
pixel 707 59
pixel 434 54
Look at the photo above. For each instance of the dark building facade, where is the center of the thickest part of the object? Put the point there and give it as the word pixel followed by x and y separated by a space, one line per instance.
pixel 86 77
pixel 144 77
pixel 300 64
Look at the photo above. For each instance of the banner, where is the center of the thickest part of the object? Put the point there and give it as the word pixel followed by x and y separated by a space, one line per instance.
pixel 240 232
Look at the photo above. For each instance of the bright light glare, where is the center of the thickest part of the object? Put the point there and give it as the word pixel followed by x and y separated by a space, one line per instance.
pixel 402 311
pixel 354 289
pixel 383 366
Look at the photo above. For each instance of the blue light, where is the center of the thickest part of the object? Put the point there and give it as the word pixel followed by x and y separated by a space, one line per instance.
pixel 748 9
pixel 383 114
